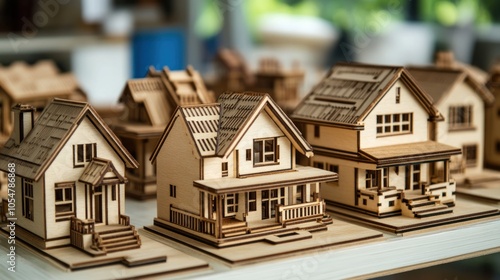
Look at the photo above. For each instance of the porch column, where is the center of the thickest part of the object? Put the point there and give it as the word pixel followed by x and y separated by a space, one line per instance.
pixel 446 169
pixel 292 195
pixel 316 190
pixel 308 192
pixel 218 228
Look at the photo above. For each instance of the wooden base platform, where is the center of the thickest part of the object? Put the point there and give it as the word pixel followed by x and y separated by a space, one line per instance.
pixel 339 233
pixel 484 187
pixel 153 258
pixel 463 212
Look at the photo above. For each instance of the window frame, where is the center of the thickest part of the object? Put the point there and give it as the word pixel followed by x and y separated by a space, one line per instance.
pixel 259 159
pixel 455 119
pixel 234 197
pixel 465 154
pixel 63 186
pixel 85 156
pixel 28 199
pixel 386 124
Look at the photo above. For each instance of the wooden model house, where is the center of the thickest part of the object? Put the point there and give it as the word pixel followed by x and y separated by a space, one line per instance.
pixel 70 179
pixel 372 125
pixel 492 122
pixel 149 102
pixel 35 85
pixel 227 173
pixel 282 84
pixel 462 101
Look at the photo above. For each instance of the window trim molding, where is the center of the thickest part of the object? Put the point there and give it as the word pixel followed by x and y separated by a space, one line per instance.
pixel 66 215
pixel 77 164
pixel 275 152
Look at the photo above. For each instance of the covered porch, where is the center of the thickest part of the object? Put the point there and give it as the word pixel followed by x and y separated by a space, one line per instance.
pixel 259 204
pixel 405 173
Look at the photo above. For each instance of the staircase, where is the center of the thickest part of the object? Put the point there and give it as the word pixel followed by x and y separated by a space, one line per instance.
pixel 234 229
pixel 119 238
pixel 422 206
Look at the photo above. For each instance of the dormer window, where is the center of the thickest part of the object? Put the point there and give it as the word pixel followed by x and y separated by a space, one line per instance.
pixel 265 151
pixel 83 153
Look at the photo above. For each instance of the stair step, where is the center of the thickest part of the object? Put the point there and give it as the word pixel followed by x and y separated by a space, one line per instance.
pixel 265 228
pixel 118 239
pixel 234 233
pixel 237 229
pixel 420 203
pixel 430 208
pixel 115 229
pixel 434 213
pixel 411 198
pixel 234 225
pixel 123 248
pixel 116 234
pixel 120 244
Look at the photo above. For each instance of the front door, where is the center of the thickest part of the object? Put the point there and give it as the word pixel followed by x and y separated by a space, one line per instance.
pixel 271 198
pixel 98 209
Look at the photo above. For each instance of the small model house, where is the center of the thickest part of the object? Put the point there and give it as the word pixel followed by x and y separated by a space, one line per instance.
pixel 227 173
pixel 492 123
pixel 70 179
pixel 149 103
pixel 35 85
pixel 372 125
pixel 462 100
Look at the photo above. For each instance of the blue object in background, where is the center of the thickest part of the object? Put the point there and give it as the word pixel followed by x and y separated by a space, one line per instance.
pixel 159 47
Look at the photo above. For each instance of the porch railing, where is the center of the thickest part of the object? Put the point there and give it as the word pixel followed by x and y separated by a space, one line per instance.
pixel 79 228
pixel 444 192
pixel 379 199
pixel 124 220
pixel 287 213
pixel 192 221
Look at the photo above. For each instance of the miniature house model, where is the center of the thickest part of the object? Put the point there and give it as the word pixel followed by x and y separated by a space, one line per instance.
pixel 149 103
pixel 462 100
pixel 492 123
pixel 227 173
pixel 372 125
pixel 69 184
pixel 34 85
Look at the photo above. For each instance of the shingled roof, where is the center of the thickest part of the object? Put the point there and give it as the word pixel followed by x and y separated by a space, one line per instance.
pixel 350 91
pixel 51 131
pixel 217 128
pixel 438 82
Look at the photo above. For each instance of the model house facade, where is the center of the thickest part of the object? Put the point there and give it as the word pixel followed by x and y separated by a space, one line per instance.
pixel 149 102
pixel 462 101
pixel 70 179
pixel 372 125
pixel 227 173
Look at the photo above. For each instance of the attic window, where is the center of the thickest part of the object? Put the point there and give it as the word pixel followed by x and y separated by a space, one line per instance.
pixel 398 95
pixel 265 151
pixel 83 153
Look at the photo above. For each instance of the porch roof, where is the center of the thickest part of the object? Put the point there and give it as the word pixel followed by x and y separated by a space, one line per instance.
pixel 301 175
pixel 95 173
pixel 410 153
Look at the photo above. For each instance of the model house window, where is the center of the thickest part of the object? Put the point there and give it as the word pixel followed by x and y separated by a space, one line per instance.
pixel 333 168
pixel 64 199
pixel 231 202
pixel 318 164
pixel 113 192
pixel 391 203
pixel 83 153
pixel 28 210
pixel 371 179
pixel 460 117
pixel 252 201
pixel 394 124
pixel 470 154
pixel 316 131
pixel 224 169
pixel 173 191
pixel 398 95
pixel 270 199
pixel 249 154
pixel 265 151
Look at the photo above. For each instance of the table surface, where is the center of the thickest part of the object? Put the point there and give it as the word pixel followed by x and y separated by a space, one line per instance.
pixel 387 255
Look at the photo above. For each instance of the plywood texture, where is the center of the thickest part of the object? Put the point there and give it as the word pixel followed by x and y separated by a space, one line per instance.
pixel 464 211
pixel 337 234
pixel 152 259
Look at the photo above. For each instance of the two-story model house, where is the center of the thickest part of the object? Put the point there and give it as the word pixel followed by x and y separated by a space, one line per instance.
pixel 462 101
pixel 69 179
pixel 227 174
pixel 372 125
pixel 149 103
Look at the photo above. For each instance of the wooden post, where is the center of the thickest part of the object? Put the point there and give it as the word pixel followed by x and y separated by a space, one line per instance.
pixel 218 228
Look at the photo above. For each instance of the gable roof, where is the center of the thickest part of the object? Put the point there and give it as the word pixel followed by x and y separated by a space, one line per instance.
pixel 41 80
pixel 185 87
pixel 438 82
pixel 217 128
pixel 350 91
pixel 51 131
pixel 152 93
pixel 95 172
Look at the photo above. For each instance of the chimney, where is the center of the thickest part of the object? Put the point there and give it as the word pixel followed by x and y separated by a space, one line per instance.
pixel 23 121
pixel 445 59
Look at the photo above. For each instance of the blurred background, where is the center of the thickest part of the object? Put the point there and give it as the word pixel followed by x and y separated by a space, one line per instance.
pixel 106 42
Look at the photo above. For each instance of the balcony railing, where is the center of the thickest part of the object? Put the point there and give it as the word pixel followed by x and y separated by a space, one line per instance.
pixel 287 213
pixel 124 220
pixel 192 221
pixel 79 228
